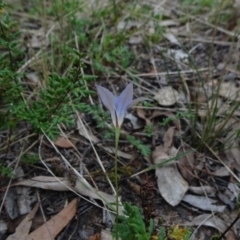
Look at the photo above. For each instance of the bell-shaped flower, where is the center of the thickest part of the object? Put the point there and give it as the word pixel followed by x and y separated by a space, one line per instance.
pixel 118 105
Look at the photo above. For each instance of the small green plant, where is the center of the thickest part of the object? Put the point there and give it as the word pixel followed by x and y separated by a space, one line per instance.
pixel 29 159
pixel 110 54
pixel 158 32
pixel 10 59
pixel 148 130
pixel 108 134
pixel 147 104
pixel 99 116
pixel 199 5
pixel 131 225
pixel 55 103
pixel 49 107
pixel 177 116
pixel 1 6
pixel 161 233
pixel 5 171
pixel 177 233
pixel 43 108
pixel 215 237
pixel 144 150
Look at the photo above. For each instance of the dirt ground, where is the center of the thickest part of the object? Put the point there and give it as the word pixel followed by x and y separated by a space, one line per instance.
pixel 195 57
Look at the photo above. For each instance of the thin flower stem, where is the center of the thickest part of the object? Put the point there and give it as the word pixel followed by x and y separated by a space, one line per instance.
pixel 117 105
pixel 117 134
pixel 115 9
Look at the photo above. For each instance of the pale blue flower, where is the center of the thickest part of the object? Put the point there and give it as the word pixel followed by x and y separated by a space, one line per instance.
pixel 118 105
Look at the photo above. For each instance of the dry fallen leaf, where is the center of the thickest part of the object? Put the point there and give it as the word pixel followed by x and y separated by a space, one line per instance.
pixel 61 184
pixel 19 201
pixel 167 96
pixel 214 221
pixel 63 142
pixel 25 199
pixel 186 164
pixel 229 90
pixel 10 204
pixel 221 172
pixel 170 183
pixel 235 190
pixel 134 121
pixel 135 187
pixel 142 114
pixel 233 153
pixel 168 138
pixel 22 230
pixel 202 190
pixel 203 202
pixel 106 235
pixel 3 227
pixel 51 228
pixel 178 55
pixel 95 237
pixel 172 38
pixel 213 106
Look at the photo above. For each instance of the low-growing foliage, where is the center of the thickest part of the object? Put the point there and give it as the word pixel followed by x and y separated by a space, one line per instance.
pixel 54 104
pixel 6 171
pixel 144 150
pixel 108 134
pixel 100 117
pixel 30 159
pixel 178 115
pixel 148 130
pixel 131 225
pixel 177 233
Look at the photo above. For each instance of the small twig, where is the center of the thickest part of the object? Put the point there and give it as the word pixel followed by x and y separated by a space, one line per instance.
pixel 172 73
pixel 230 226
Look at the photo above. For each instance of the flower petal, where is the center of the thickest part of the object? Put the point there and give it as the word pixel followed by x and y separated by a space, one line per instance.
pixel 114 119
pixel 120 118
pixel 108 99
pixel 124 99
pixel 122 103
